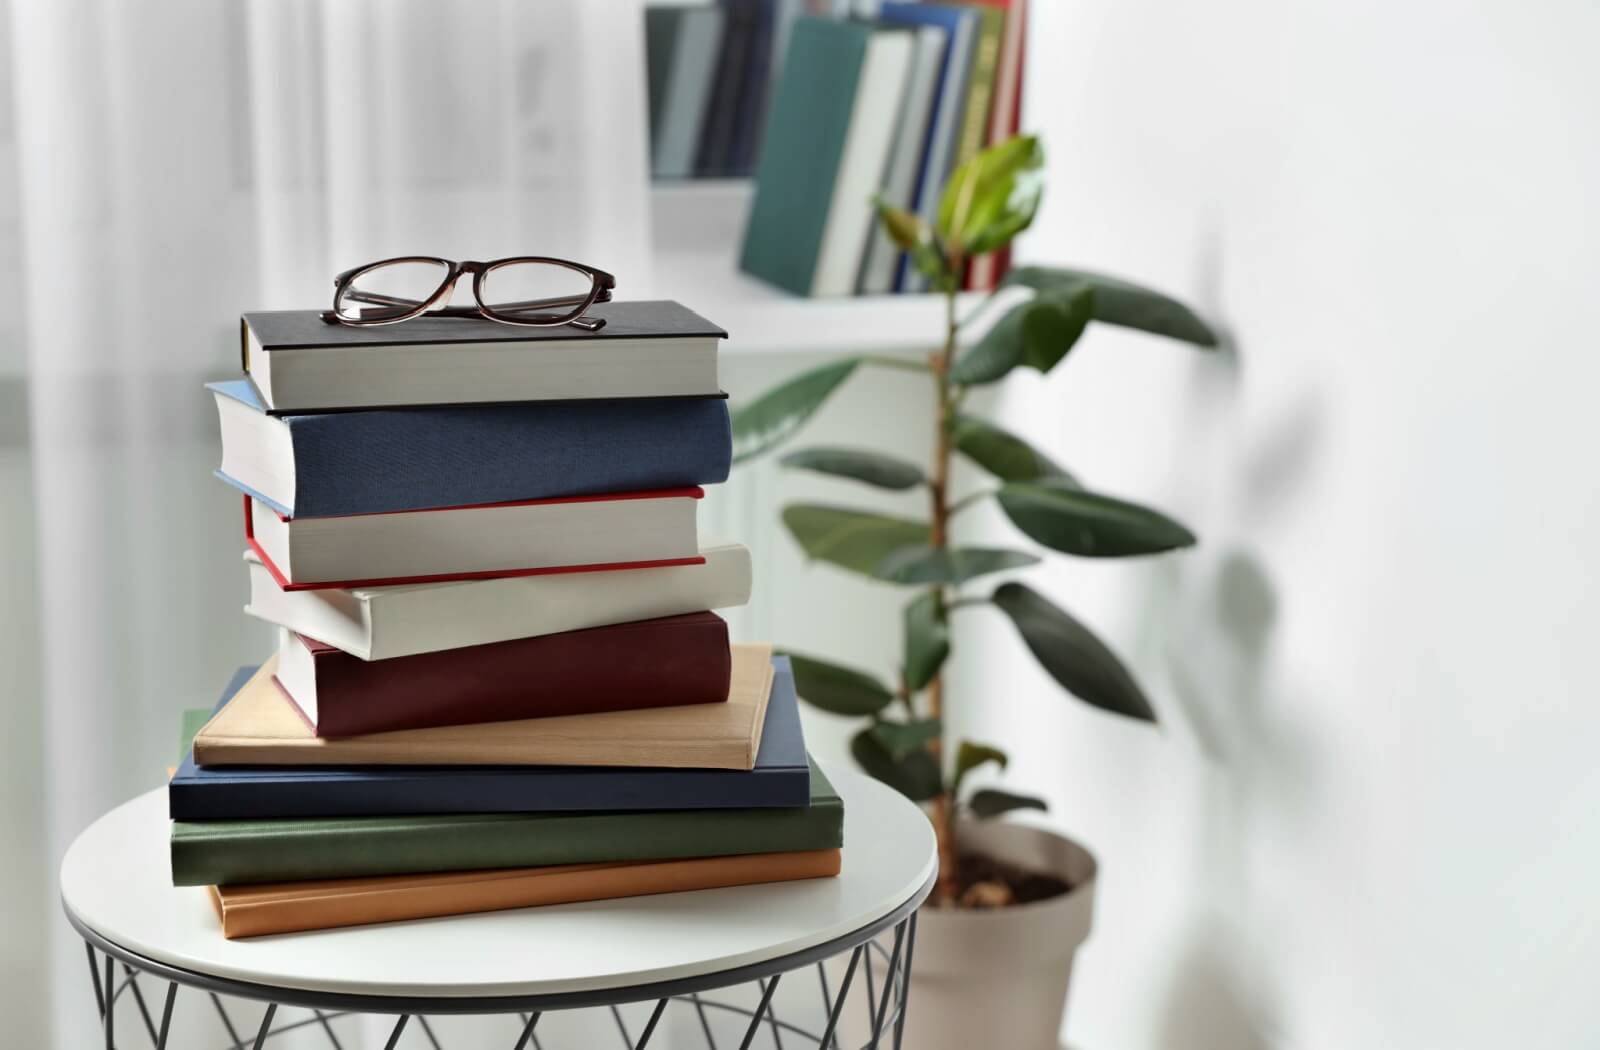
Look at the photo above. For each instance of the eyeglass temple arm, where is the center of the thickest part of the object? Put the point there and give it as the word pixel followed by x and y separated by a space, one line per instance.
pixel 378 299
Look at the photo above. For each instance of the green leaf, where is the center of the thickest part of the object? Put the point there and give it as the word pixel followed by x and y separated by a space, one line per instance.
pixel 970 756
pixel 951 565
pixel 929 259
pixel 1088 524
pixel 1121 302
pixel 840 690
pixel 915 776
pixel 993 196
pixel 1005 455
pixel 899 739
pixel 1038 333
pixel 1052 326
pixel 851 539
pixel 903 227
pixel 873 468
pixel 995 354
pixel 987 802
pixel 927 639
pixel 1071 654
pixel 773 417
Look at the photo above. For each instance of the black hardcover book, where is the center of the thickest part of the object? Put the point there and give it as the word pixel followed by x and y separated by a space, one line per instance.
pixel 654 348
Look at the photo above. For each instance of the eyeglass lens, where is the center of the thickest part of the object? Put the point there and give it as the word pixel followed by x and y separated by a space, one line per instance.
pixel 391 290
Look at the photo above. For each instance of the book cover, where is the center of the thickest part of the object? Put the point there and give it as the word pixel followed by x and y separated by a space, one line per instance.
pixel 651 663
pixel 339 463
pixel 804 142
pixel 382 623
pixel 229 852
pixel 321 904
pixel 261 727
pixel 778 778
pixel 739 28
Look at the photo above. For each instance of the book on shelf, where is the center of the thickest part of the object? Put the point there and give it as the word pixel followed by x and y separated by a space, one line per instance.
pixel 1005 120
pixel 646 349
pixel 974 123
pixel 930 42
pixel 321 904
pixel 338 463
pixel 960 25
pixel 688 39
pixel 650 663
pixel 260 726
pixel 231 852
pixel 778 778
pixel 382 623
pixel 825 146
pixel 525 538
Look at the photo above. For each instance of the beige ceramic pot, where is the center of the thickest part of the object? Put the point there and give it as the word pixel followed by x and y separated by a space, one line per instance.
pixel 999 978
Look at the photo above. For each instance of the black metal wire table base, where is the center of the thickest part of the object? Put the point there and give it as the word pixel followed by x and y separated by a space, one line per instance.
pixel 876 973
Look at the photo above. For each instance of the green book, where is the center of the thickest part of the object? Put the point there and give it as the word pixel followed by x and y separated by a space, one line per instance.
pixel 980 85
pixel 230 852
pixel 801 149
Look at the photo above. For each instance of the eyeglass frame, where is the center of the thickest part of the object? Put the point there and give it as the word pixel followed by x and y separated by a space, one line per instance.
pixel 601 286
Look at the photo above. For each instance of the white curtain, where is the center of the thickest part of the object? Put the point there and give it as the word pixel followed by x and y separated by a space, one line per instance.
pixel 165 166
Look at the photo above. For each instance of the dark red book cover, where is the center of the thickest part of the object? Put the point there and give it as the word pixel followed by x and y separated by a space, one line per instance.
pixel 650 663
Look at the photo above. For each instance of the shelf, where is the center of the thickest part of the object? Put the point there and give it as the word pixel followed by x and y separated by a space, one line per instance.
pixel 697 226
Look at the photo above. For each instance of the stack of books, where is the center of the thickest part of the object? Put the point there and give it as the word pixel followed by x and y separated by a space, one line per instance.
pixel 888 107
pixel 498 681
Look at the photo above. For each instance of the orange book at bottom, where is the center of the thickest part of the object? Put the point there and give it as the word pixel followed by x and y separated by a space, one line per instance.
pixel 288 907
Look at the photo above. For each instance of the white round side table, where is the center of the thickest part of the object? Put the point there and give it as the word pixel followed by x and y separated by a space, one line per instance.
pixel 674 949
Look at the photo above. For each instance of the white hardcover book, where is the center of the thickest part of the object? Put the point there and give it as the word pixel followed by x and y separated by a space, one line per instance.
pixel 377 623
pixel 905 157
pixel 492 539
pixel 881 86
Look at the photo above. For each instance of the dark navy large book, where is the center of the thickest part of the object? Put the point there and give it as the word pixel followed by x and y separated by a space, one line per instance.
pixel 334 463
pixel 780 778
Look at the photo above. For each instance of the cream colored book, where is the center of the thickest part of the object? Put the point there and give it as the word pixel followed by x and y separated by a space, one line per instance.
pixel 260 726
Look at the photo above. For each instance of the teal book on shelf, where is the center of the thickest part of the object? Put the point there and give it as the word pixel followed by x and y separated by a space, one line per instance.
pixel 827 140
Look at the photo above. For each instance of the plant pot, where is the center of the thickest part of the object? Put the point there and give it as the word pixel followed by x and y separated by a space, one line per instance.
pixel 998 978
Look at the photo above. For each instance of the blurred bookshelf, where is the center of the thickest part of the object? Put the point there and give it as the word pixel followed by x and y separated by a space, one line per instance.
pixel 720 72
pixel 697 226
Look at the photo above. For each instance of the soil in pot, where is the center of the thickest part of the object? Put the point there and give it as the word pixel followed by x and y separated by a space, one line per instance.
pixel 986 882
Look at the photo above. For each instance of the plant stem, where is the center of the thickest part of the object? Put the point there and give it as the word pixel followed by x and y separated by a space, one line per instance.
pixel 943 815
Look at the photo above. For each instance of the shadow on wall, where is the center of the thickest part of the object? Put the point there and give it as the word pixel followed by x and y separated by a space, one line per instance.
pixel 1255 768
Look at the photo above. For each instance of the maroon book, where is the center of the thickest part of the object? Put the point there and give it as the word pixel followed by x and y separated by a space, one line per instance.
pixel 650 663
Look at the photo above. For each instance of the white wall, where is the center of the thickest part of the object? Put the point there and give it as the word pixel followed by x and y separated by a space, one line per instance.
pixel 1370 821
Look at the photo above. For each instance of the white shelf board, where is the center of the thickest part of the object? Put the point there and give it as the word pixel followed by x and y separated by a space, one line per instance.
pixel 697 227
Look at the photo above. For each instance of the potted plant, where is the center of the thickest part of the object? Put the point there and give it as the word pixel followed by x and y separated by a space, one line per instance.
pixel 1013 902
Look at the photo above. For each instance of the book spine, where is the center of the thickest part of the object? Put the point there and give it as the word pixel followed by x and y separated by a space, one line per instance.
pixel 387 460
pixel 222 853
pixel 653 663
pixel 388 793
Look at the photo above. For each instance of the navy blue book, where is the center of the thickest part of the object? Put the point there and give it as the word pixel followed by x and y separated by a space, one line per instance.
pixel 780 779
pixel 335 463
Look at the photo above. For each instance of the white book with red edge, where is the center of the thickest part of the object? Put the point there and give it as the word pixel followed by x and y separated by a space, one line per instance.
pixel 632 530
pixel 378 623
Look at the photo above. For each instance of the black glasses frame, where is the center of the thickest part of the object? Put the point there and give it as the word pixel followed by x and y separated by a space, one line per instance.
pixel 530 313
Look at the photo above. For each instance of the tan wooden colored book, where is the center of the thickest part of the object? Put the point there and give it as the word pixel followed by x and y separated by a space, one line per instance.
pixel 288 907
pixel 260 726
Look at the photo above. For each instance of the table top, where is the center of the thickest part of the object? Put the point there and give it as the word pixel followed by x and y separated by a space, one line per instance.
pixel 116 881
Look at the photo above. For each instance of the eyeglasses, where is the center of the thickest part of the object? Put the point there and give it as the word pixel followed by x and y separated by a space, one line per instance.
pixel 530 290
